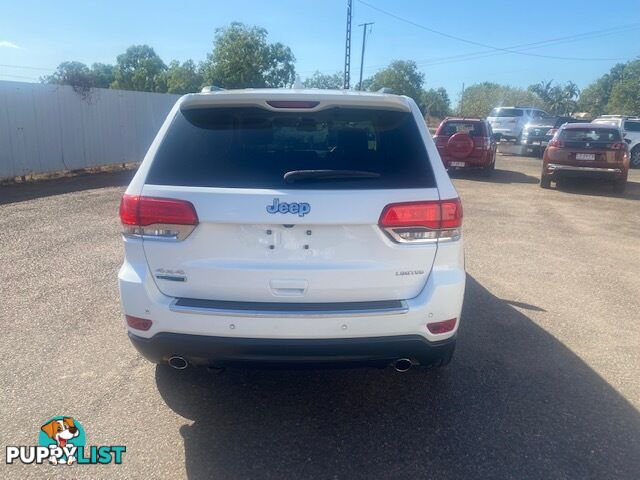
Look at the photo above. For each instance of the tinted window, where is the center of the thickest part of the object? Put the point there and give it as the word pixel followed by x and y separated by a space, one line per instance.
pixel 545 121
pixel 474 129
pixel 254 148
pixel 589 135
pixel 506 112
pixel 632 126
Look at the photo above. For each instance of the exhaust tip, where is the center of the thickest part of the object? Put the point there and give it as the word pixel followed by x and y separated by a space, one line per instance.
pixel 178 362
pixel 402 364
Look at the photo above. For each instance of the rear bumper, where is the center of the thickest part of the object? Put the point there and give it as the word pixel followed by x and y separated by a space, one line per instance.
pixel 190 324
pixel 228 351
pixel 507 132
pixel 554 170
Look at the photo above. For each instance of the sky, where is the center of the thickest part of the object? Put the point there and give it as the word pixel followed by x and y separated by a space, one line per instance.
pixel 35 36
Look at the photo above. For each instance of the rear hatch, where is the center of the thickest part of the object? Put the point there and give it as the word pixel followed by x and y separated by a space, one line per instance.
pixel 594 147
pixel 288 202
pixel 505 117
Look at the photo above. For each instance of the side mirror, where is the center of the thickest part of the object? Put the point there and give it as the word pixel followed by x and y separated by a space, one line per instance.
pixel 628 140
pixel 496 136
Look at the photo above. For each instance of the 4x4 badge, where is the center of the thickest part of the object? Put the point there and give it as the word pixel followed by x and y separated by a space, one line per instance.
pixel 283 207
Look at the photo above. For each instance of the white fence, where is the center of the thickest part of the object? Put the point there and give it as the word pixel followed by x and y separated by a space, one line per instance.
pixel 47 128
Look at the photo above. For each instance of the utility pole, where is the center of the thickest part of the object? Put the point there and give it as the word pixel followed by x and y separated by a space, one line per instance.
pixel 364 42
pixel 461 99
pixel 347 48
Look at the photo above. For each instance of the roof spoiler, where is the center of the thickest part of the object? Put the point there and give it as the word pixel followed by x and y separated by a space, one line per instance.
pixel 385 90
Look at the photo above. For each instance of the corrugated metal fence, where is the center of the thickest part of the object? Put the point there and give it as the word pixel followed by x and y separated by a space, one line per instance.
pixel 47 128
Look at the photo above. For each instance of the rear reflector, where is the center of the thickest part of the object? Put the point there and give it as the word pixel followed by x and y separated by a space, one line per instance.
pixel 442 327
pixel 292 104
pixel 423 221
pixel 157 217
pixel 138 323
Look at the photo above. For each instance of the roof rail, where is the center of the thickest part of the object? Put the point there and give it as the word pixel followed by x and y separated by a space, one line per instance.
pixel 211 88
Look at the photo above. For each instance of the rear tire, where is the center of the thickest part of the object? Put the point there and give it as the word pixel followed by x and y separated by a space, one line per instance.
pixel 619 186
pixel 545 182
pixel 634 162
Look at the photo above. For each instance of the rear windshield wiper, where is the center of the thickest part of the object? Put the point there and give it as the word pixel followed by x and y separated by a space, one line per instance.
pixel 299 175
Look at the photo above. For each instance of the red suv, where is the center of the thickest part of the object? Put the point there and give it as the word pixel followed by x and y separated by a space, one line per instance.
pixel 466 143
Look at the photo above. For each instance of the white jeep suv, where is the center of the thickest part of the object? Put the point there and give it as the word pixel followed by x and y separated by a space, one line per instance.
pixel 630 127
pixel 292 227
pixel 509 122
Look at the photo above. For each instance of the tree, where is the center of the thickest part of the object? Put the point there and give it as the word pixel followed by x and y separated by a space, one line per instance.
pixel 75 74
pixel 325 81
pixel 617 92
pixel 479 99
pixel 182 78
pixel 402 77
pixel 557 100
pixel 139 68
pixel 102 75
pixel 435 102
pixel 596 97
pixel 242 58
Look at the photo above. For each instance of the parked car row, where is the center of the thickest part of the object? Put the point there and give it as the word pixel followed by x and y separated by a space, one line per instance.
pixel 605 148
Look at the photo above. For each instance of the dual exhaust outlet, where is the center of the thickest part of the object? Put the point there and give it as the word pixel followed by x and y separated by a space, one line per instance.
pixel 180 363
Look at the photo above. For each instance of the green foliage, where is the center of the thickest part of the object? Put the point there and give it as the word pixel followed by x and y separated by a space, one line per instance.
pixel 182 78
pixel 435 102
pixel 102 75
pixel 558 100
pixel 75 74
pixel 617 92
pixel 479 99
pixel 401 76
pixel 325 81
pixel 242 58
pixel 139 68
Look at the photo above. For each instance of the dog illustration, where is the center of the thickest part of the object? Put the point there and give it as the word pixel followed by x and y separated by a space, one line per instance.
pixel 61 431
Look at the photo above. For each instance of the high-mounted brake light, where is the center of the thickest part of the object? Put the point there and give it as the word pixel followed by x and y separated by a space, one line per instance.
pixel 159 218
pixel 423 222
pixel 292 104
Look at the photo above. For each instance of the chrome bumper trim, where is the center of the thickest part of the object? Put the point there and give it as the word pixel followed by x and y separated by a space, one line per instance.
pixel 266 309
pixel 553 166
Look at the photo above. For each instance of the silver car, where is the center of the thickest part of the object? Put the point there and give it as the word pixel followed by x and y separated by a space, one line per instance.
pixel 509 122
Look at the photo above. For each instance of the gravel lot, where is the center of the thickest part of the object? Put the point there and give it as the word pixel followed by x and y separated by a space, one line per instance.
pixel 545 382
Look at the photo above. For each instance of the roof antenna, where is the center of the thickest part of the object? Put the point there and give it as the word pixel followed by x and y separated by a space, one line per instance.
pixel 298 83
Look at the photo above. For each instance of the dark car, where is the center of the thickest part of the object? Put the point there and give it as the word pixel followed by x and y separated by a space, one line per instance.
pixel 466 143
pixel 586 150
pixel 537 134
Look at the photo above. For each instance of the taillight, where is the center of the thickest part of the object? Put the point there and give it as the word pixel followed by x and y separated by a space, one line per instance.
pixel 552 131
pixel 441 140
pixel 617 146
pixel 157 218
pixel 423 222
pixel 556 143
pixel 138 323
pixel 442 327
pixel 482 143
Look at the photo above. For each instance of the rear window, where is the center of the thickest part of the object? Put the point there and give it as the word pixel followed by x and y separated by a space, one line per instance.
pixel 506 112
pixel 590 135
pixel 254 148
pixel 473 129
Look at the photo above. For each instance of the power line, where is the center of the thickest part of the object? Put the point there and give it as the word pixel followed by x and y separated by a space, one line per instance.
pixel 525 46
pixel 473 42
